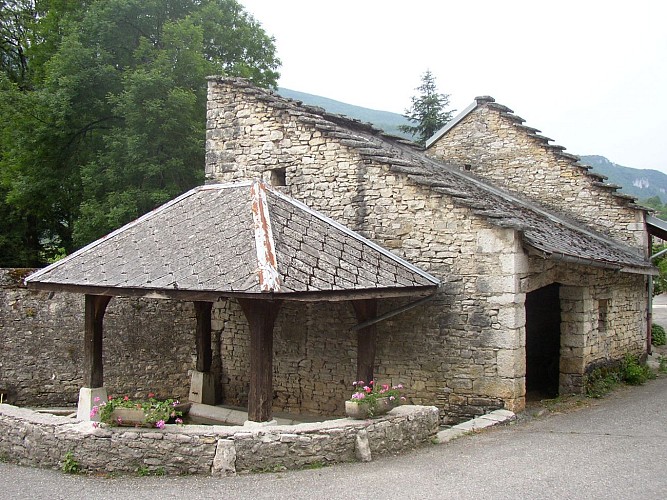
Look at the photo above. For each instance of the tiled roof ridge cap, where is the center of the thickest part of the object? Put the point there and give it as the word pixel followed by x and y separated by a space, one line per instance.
pixel 313 114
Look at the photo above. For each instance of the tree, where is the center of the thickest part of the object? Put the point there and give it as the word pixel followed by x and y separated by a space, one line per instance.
pixel 428 111
pixel 112 123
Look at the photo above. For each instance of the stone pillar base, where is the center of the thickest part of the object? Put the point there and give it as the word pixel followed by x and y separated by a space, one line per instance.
pixel 87 400
pixel 202 388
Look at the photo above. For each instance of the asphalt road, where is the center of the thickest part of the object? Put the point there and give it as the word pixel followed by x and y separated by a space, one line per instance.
pixel 615 448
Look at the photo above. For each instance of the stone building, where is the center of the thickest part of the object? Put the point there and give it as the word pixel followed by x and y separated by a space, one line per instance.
pixel 536 271
pixel 543 268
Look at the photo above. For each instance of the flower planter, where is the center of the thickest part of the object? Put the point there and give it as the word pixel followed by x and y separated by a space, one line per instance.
pixel 364 409
pixel 135 417
pixel 131 417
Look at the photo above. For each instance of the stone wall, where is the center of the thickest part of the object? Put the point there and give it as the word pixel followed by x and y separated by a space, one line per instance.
pixel 491 142
pixel 29 438
pixel 148 345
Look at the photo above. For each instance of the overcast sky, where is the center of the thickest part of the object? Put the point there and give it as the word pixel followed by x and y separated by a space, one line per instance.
pixel 589 74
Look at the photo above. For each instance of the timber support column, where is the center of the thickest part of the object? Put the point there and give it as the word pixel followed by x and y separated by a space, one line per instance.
pixel 93 391
pixel 366 310
pixel 202 386
pixel 261 316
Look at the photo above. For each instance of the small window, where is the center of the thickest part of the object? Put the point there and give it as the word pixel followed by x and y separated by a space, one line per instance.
pixel 279 177
pixel 603 311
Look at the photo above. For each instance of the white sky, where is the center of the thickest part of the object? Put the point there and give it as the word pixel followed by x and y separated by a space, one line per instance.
pixel 589 74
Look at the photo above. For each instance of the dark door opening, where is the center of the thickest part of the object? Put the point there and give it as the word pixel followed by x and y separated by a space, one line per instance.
pixel 542 342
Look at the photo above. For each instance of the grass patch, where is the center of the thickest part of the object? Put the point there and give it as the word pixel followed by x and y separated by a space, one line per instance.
pixel 70 464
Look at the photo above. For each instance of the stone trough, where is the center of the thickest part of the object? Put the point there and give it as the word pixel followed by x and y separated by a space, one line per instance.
pixel 31 438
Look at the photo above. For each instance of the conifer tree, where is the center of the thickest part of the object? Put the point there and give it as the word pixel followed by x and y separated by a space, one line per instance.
pixel 428 111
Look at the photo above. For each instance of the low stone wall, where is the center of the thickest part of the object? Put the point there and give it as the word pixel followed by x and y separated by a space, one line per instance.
pixel 31 438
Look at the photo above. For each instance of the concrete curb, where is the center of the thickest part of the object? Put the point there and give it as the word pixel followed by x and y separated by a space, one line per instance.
pixel 489 420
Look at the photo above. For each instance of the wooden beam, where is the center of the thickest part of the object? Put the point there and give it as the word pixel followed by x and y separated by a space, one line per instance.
pixel 212 296
pixel 203 336
pixel 261 316
pixel 93 371
pixel 366 310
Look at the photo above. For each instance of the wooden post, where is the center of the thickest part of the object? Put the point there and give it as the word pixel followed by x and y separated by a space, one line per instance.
pixel 261 316
pixel 203 336
pixel 365 310
pixel 93 371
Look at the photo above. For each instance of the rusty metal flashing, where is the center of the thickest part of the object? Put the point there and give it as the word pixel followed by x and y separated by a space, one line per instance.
pixel 269 278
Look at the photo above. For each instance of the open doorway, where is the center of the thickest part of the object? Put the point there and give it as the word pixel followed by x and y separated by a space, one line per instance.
pixel 542 342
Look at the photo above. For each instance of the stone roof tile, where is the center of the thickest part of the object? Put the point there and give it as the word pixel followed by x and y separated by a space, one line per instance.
pixel 207 241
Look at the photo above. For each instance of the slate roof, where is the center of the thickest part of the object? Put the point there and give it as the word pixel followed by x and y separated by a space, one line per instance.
pixel 234 240
pixel 543 231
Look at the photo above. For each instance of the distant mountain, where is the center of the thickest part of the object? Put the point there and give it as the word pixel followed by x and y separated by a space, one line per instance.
pixel 642 183
pixel 637 182
pixel 384 120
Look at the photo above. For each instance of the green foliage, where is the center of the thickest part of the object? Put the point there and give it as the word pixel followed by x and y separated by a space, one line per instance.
pixel 70 464
pixel 658 335
pixel 604 379
pixel 428 110
pixel 633 372
pixel 601 381
pixel 106 118
pixel 143 471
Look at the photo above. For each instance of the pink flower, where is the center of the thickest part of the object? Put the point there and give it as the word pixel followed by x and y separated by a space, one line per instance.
pixel 151 395
pixel 97 399
pixel 119 420
pixel 109 398
pixel 94 411
pixel 370 383
pixel 179 420
pixel 159 424
pixel 358 395
pixel 391 398
pixel 368 389
pixel 385 387
pixel 96 425
pixel 126 398
pixel 176 403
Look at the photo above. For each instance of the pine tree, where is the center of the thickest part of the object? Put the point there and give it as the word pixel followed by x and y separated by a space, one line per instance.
pixel 428 111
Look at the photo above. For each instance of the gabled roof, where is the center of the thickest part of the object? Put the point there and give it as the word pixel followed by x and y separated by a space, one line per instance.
pixel 597 179
pixel 544 232
pixel 241 239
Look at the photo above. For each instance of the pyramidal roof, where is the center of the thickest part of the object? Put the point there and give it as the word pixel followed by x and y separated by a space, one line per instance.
pixel 234 240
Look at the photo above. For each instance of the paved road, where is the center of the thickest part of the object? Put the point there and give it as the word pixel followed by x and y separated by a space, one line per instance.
pixel 616 448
